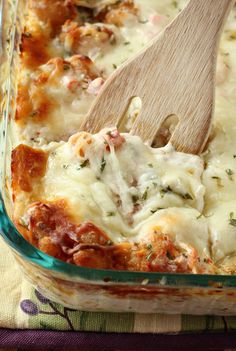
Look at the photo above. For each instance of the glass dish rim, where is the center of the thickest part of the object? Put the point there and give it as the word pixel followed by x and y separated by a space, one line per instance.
pixel 29 252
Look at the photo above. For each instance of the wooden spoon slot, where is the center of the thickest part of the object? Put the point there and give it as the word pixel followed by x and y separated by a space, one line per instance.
pixel 131 114
pixel 165 131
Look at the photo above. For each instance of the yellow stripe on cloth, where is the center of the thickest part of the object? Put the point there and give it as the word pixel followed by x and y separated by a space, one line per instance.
pixel 157 323
pixel 13 287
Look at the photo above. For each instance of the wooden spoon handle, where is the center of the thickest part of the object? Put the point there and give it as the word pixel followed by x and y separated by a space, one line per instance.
pixel 189 46
pixel 207 14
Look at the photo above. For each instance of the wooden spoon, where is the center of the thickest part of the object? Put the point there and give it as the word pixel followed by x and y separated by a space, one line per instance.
pixel 174 75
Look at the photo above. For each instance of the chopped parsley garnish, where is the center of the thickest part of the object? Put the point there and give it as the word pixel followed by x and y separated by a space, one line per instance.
pixel 66 67
pixel 200 216
pixel 127 43
pixel 143 21
pixel 175 4
pixel 114 66
pixel 110 214
pixel 150 165
pixel 186 196
pixel 149 246
pixel 218 181
pixel 164 191
pixel 157 209
pixel 234 156
pixel 230 173
pixel 168 189
pixel 145 194
pixel 65 166
pixel 232 220
pixel 103 164
pixel 148 257
pixel 84 164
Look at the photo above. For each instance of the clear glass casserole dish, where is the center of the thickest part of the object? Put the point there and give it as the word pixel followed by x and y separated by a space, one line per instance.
pixel 84 288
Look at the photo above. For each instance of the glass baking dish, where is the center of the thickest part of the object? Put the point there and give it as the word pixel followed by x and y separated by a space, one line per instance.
pixel 92 289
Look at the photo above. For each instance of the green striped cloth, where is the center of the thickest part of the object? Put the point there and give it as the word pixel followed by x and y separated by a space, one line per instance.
pixel 23 307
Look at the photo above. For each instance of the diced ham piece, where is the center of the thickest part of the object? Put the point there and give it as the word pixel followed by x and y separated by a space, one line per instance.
pixel 95 86
pixel 73 85
pixel 114 138
pixel 155 18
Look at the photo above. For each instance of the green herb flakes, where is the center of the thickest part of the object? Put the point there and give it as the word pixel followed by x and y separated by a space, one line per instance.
pixel 200 216
pixel 230 173
pixel 149 256
pixel 175 4
pixel 103 164
pixel 232 220
pixel 84 164
pixel 145 194
pixel 142 21
pixel 149 246
pixel 157 209
pixel 187 196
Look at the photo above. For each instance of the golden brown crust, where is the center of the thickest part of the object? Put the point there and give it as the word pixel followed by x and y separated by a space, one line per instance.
pixel 53 230
pixel 34 49
pixel 27 165
pixel 34 101
pixel 23 103
pixel 118 13
pixel 81 39
pixel 53 12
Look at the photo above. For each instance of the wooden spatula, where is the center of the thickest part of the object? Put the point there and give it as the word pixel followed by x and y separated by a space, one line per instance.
pixel 174 75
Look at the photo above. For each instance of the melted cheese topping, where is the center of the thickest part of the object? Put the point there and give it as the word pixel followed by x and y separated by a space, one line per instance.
pixel 111 185
pixel 128 190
